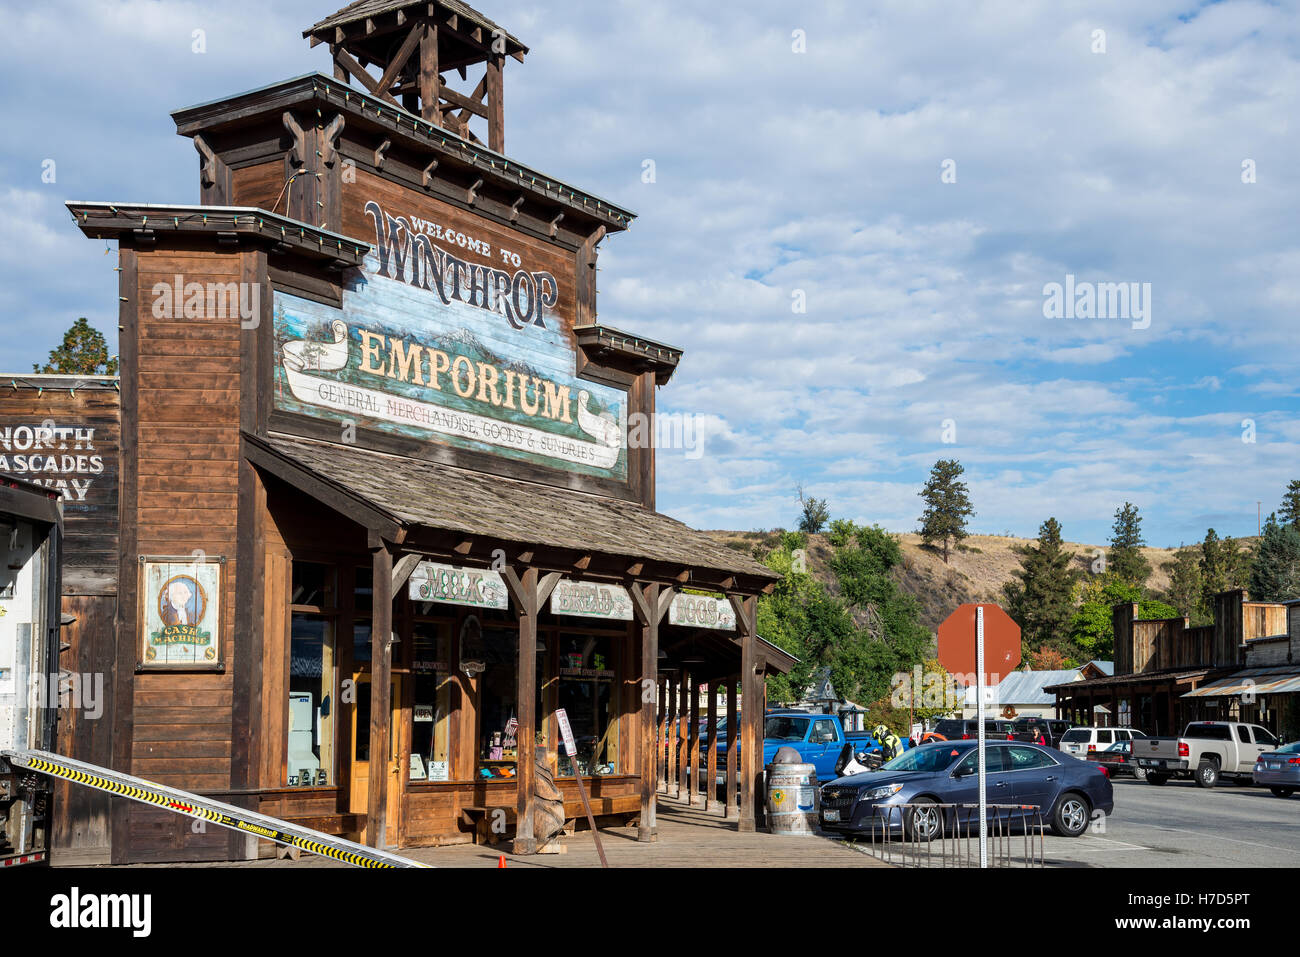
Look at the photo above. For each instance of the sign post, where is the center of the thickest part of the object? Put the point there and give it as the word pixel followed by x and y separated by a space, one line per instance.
pixel 571 749
pixel 997 640
pixel 979 717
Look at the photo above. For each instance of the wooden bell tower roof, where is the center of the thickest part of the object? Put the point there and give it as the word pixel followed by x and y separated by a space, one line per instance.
pixel 412 45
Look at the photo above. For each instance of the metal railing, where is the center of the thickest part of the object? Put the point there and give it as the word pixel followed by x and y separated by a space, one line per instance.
pixel 947 835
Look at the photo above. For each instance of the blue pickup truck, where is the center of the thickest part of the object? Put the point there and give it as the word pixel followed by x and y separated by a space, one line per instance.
pixel 819 739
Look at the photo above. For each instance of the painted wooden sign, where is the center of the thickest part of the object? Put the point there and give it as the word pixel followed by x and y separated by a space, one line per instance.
pixel 181 613
pixel 702 611
pixel 591 600
pixel 62 432
pixel 474 587
pixel 443 337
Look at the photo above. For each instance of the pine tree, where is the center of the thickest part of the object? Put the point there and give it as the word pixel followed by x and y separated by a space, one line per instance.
pixel 947 506
pixel 1275 575
pixel 83 352
pixel 1224 566
pixel 814 513
pixel 1039 598
pixel 1125 560
pixel 1289 513
pixel 1185 584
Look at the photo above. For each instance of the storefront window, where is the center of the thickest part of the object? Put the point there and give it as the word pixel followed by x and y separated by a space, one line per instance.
pixel 587 694
pixel 312 679
pixel 431 715
pixel 362 604
pixel 496 650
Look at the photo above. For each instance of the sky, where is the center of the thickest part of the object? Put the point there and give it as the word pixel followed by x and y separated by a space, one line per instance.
pixel 850 218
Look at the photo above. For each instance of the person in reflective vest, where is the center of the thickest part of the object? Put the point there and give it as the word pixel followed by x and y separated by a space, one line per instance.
pixel 891 745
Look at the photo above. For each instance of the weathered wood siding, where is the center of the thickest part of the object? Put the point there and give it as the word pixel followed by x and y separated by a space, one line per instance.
pixel 180 495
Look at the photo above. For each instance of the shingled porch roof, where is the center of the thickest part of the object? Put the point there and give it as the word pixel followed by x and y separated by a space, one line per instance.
pixel 418 501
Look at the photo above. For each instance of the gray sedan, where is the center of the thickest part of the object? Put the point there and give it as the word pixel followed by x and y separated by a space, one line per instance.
pixel 1279 770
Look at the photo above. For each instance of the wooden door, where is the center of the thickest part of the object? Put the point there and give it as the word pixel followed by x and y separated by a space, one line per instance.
pixel 362 762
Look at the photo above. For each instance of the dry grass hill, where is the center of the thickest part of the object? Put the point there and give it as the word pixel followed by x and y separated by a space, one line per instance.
pixel 975 572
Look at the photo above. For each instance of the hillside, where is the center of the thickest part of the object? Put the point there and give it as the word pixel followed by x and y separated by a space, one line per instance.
pixel 975 572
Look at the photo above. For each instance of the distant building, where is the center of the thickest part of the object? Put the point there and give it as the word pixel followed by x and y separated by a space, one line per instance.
pixel 1024 694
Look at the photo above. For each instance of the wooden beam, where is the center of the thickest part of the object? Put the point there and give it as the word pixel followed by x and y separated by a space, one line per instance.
pixel 381 656
pixel 403 568
pixel 711 764
pixel 733 745
pixel 427 76
pixel 751 730
pixel 683 743
pixel 524 591
pixel 381 152
pixel 694 742
pixel 400 58
pixel 471 194
pixel 647 829
pixel 345 60
pixel 496 104
pixel 461 101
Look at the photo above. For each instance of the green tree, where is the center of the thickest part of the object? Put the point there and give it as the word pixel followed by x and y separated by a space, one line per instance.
pixel 947 505
pixel 1289 513
pixel 83 352
pixel 1039 597
pixel 1125 559
pixel 814 513
pixel 1092 628
pixel 1224 566
pixel 1275 574
pixel 1186 585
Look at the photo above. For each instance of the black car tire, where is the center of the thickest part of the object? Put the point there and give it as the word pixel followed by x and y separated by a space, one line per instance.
pixel 1071 815
pixel 1283 792
pixel 1207 774
pixel 923 824
pixel 1154 777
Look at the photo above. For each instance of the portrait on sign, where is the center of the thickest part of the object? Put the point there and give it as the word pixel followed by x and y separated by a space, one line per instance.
pixel 181 613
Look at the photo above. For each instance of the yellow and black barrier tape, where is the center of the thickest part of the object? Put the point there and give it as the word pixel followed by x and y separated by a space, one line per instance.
pixel 160 798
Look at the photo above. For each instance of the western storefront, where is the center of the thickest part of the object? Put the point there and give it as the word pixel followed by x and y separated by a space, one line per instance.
pixel 385 503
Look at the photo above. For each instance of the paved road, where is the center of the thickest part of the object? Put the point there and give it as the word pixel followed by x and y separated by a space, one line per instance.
pixel 1182 825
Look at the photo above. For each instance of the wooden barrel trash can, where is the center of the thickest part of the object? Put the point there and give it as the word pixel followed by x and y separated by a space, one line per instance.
pixel 792 798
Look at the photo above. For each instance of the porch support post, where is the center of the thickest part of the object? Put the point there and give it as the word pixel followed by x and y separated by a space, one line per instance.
pixel 528 593
pixel 711 774
pixel 670 738
pixel 751 726
pixel 381 705
pixel 683 743
pixel 695 741
pixel 733 748
pixel 649 605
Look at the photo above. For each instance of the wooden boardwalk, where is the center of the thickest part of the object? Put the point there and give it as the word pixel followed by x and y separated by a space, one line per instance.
pixel 688 837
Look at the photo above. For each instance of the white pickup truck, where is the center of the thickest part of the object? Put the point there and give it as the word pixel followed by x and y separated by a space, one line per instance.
pixel 1207 751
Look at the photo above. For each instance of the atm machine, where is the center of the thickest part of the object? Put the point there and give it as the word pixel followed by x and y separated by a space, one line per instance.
pixel 31 538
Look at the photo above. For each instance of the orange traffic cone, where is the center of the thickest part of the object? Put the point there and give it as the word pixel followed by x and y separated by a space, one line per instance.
pixel 501 862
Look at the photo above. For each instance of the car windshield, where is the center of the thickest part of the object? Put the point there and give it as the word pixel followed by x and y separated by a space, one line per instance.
pixel 1119 746
pixel 929 757
pixel 1078 734
pixel 1292 748
pixel 1208 732
pixel 785 728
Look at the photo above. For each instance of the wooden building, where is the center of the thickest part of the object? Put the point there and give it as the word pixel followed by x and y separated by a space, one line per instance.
pixel 61 432
pixel 1160 664
pixel 387 484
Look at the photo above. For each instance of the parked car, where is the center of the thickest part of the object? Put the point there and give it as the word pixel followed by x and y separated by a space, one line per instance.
pixel 1068 790
pixel 1028 728
pixel 966 729
pixel 1118 759
pixel 1207 750
pixel 1082 741
pixel 819 739
pixel 1279 770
